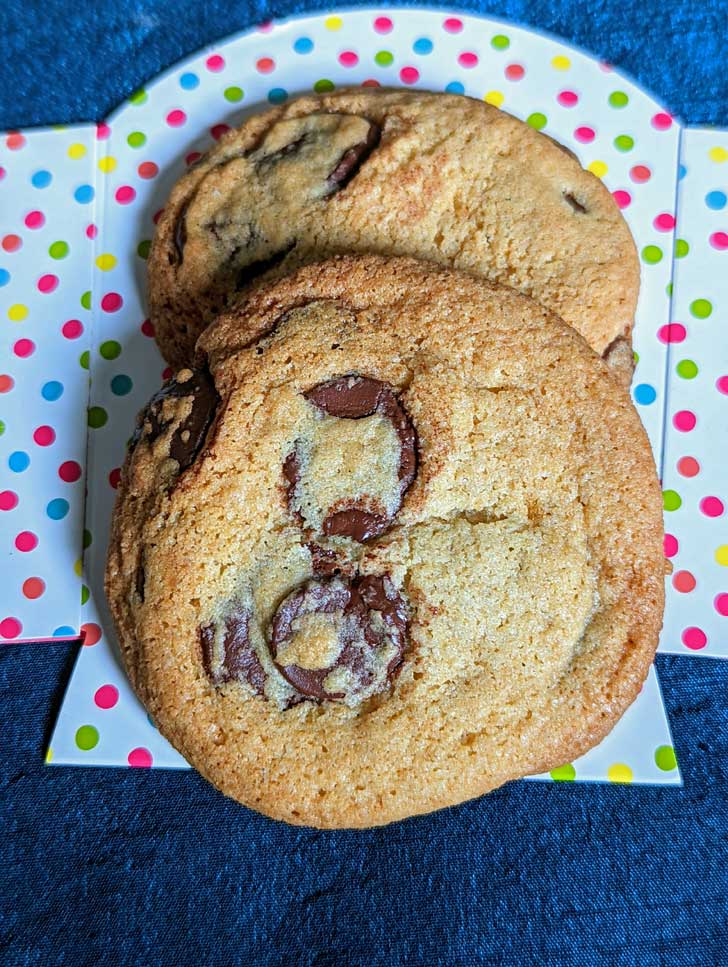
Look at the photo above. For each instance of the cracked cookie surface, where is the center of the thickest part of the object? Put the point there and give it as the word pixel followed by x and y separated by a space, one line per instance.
pixel 435 176
pixel 491 611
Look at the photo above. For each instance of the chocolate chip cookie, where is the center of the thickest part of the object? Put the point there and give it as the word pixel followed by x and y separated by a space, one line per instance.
pixel 435 176
pixel 396 541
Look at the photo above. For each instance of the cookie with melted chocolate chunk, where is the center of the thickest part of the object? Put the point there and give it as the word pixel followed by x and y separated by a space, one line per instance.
pixel 395 563
pixel 435 176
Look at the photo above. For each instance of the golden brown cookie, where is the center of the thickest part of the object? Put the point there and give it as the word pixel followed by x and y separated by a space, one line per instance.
pixel 435 176
pixel 397 541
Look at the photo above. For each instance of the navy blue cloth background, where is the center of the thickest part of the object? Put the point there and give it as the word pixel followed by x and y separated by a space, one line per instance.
pixel 155 868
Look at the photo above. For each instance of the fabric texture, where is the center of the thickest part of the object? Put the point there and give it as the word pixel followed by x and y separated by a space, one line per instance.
pixel 155 868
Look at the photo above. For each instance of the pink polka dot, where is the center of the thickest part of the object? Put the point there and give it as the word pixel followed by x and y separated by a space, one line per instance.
pixel 112 302
pixel 26 541
pixel 347 58
pixel 147 328
pixel 215 63
pixel 192 157
pixel 107 696
pixel 383 25
pixel 265 27
pixel 722 384
pixel 622 198
pixel 468 59
pixel 688 467
pixel 515 72
pixel 640 174
pixel 3 172
pixel 664 222
pixel 684 582
pixel 90 633
pixel 721 605
pixel 44 436
pixel 670 545
pixel 265 65
pixel 15 140
pixel 218 130
pixel 140 758
pixel 176 118
pixel 694 638
pixel 672 332
pixel 712 506
pixel 167 372
pixel 10 628
pixel 6 383
pixel 409 75
pixel 157 215
pixel 370 82
pixel 115 477
pixel 453 25
pixel 661 121
pixel 35 220
pixel 148 169
pixel 91 231
pixel 33 588
pixel 567 98
pixel 585 135
pixel 719 240
pixel 684 420
pixel 24 348
pixel 102 131
pixel 70 471
pixel 8 500
pixel 125 195
pixel 11 243
pixel 47 283
pixel 72 329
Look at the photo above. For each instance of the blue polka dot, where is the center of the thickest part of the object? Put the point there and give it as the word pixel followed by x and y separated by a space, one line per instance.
pixel 644 394
pixel 4 277
pixel 189 81
pixel 455 87
pixel 52 390
pixel 151 721
pixel 41 179
pixel 65 632
pixel 18 461
pixel 57 509
pixel 277 95
pixel 304 45
pixel 121 385
pixel 422 46
pixel 681 172
pixel 716 200
pixel 84 194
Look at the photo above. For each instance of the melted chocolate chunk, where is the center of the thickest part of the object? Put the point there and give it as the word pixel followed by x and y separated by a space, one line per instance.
pixel 248 273
pixel 293 147
pixel 576 205
pixel 238 661
pixel 372 621
pixel 139 581
pixel 189 436
pixel 351 161
pixel 180 233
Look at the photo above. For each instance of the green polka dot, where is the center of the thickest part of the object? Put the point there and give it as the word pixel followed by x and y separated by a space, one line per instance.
pixel 85 593
pixel 58 250
pixel 500 42
pixel 687 369
pixel 97 417
pixel 86 300
pixel 565 773
pixel 618 99
pixel 233 94
pixel 137 139
pixel 651 254
pixel 110 349
pixel 143 249
pixel 84 359
pixel 636 357
pixel 323 86
pixel 138 97
pixel 623 142
pixel 537 120
pixel 681 248
pixel 87 538
pixel 2 427
pixel 87 737
pixel 701 308
pixel 665 758
pixel 671 500
pixel 384 58
pixel 668 288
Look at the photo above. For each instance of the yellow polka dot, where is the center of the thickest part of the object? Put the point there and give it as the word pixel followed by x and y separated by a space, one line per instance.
pixel 598 168
pixel 333 23
pixel 721 555
pixel 76 151
pixel 718 154
pixel 619 772
pixel 494 97
pixel 561 63
pixel 106 262
pixel 18 312
pixel 78 566
pixel 107 164
pixel 49 756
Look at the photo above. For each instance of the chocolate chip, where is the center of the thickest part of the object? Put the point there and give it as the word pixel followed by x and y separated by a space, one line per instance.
pixel 293 147
pixel 369 628
pixel 180 233
pixel 139 580
pixel 352 159
pixel 576 205
pixel 238 660
pixel 248 273
pixel 359 525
